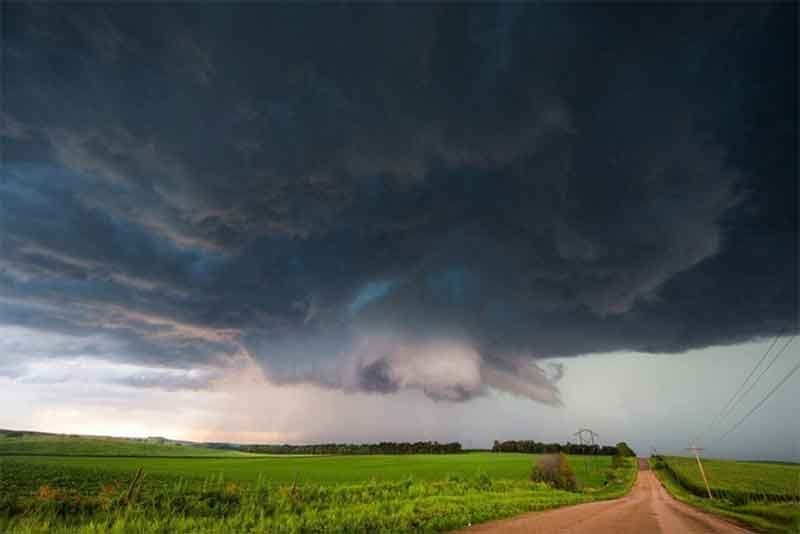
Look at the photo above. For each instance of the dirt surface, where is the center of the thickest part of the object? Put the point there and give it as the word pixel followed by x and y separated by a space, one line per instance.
pixel 648 508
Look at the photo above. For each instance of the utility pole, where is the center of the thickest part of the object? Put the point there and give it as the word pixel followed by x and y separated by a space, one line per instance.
pixel 697 451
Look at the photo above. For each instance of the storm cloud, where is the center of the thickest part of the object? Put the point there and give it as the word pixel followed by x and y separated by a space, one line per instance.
pixel 377 198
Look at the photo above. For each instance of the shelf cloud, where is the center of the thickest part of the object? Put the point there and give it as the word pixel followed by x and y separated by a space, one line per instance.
pixel 380 198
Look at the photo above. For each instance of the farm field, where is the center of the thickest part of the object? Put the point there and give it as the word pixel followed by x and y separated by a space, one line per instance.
pixel 22 443
pixel 90 472
pixel 378 493
pixel 762 494
pixel 739 480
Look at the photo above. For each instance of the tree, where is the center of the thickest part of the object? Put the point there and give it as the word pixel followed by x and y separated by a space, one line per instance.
pixel 624 450
pixel 385 447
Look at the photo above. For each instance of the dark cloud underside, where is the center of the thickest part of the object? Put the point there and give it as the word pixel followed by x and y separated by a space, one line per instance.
pixel 384 197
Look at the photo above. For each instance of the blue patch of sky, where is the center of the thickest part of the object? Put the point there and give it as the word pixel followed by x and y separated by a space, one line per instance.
pixel 368 293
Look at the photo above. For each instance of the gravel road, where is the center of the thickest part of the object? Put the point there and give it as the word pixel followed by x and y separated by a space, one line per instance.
pixel 647 509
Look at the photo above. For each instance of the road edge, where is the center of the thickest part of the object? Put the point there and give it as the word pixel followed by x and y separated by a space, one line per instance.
pixel 636 466
pixel 753 523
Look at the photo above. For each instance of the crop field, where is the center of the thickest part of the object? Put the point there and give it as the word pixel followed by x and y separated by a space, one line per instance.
pixel 762 494
pixel 254 493
pixel 87 473
pixel 739 481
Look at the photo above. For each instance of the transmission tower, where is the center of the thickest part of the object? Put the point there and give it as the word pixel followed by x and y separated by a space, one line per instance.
pixel 587 436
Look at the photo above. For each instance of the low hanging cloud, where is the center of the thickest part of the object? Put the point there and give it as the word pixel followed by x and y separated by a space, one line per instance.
pixel 513 184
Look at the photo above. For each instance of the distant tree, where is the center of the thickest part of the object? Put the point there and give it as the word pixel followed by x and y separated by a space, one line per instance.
pixel 535 447
pixel 624 450
pixel 385 447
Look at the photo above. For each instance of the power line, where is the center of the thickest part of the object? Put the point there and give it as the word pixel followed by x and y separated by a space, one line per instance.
pixel 725 409
pixel 768 395
pixel 761 374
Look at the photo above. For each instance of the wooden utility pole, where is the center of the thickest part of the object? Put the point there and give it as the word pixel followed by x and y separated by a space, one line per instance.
pixel 697 451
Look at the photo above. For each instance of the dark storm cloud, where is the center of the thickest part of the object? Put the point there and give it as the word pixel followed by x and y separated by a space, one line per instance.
pixel 377 377
pixel 381 197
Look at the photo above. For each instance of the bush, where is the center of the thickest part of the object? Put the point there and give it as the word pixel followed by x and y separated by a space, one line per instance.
pixel 555 471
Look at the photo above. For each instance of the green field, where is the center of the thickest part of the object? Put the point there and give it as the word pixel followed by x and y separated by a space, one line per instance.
pixel 90 473
pixel 253 493
pixel 764 495
pixel 739 481
pixel 11 443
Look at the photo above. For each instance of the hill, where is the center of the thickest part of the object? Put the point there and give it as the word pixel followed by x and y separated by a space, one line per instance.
pixel 25 443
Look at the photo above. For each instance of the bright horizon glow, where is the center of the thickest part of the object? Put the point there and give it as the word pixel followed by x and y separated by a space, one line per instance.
pixel 654 402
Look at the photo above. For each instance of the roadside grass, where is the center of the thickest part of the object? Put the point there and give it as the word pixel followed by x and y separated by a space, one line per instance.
pixel 89 497
pixel 735 487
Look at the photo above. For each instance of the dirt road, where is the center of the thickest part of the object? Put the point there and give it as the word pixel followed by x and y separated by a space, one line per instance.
pixel 647 509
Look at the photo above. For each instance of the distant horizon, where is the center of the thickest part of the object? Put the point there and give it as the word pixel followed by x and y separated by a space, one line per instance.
pixel 465 449
pixel 642 447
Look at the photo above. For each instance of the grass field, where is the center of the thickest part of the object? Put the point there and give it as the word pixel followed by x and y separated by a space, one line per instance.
pixel 253 493
pixel 761 494
pixel 739 481
pixel 50 444
pixel 90 473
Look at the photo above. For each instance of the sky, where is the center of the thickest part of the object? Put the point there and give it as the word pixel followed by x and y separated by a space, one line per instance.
pixel 305 223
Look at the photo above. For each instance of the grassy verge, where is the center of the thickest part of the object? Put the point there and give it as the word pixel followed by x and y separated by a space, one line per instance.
pixel 764 516
pixel 225 505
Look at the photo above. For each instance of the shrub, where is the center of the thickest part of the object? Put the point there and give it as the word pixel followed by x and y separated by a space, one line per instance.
pixel 555 471
pixel 658 462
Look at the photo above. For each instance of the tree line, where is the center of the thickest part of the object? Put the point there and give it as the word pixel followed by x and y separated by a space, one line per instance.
pixel 384 447
pixel 434 447
pixel 536 447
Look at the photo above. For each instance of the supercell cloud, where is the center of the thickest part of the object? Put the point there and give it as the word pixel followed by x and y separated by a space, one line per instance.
pixel 379 198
